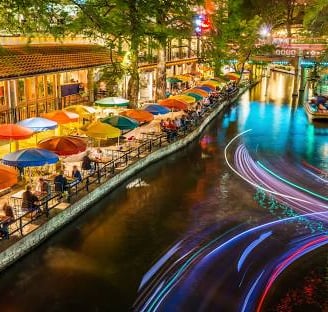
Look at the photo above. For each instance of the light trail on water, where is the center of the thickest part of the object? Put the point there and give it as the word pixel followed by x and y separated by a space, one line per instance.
pixel 252 271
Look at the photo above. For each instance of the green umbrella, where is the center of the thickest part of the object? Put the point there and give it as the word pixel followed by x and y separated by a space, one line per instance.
pixel 121 122
pixel 112 101
pixel 173 79
pixel 196 96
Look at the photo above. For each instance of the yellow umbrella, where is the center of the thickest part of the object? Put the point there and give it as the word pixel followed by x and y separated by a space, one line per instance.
pixel 185 98
pixel 183 78
pixel 101 130
pixel 81 110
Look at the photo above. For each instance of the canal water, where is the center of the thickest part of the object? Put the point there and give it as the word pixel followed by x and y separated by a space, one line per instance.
pixel 98 262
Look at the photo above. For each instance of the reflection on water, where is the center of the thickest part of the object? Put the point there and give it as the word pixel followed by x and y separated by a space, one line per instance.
pixel 97 263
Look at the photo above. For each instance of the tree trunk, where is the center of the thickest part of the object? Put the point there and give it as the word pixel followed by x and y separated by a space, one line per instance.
pixel 161 73
pixel 133 85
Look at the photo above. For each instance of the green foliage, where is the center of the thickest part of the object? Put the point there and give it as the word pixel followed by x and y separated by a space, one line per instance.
pixel 236 38
pixel 315 18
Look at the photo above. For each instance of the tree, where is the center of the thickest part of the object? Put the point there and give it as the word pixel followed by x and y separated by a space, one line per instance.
pixel 315 18
pixel 119 24
pixel 276 13
pixel 124 26
pixel 171 19
pixel 235 38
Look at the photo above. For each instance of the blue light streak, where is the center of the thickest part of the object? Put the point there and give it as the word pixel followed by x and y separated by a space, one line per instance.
pixel 250 247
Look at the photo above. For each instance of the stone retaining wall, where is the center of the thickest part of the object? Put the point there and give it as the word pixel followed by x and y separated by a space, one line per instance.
pixel 33 239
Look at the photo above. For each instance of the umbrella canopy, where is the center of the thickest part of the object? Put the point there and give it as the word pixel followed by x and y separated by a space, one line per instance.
pixel 184 98
pixel 63 145
pixel 173 104
pixel 121 122
pixel 62 116
pixel 205 88
pixel 38 124
pixel 30 157
pixel 173 79
pixel 196 96
pixel 183 78
pixel 195 73
pixel 210 86
pixel 156 109
pixel 8 176
pixel 221 79
pixel 138 114
pixel 81 110
pixel 198 91
pixel 100 130
pixel 210 82
pixel 232 76
pixel 14 132
pixel 112 101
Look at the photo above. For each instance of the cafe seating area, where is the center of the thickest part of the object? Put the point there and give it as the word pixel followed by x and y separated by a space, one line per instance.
pixel 109 149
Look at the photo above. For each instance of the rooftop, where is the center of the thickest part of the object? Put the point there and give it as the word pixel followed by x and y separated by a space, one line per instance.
pixel 26 60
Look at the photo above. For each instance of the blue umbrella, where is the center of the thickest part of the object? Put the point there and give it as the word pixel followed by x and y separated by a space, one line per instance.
pixel 30 157
pixel 207 89
pixel 156 109
pixel 38 124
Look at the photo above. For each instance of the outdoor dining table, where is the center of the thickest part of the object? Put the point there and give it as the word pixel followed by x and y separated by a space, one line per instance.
pixel 151 134
pixel 118 151
pixel 17 199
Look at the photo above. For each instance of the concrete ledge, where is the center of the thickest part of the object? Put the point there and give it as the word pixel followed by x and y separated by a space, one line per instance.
pixel 33 239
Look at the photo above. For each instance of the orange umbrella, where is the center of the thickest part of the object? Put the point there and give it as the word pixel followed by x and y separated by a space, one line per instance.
pixel 139 115
pixel 197 91
pixel 62 116
pixel 184 98
pixel 173 104
pixel 14 132
pixel 8 176
pixel 63 145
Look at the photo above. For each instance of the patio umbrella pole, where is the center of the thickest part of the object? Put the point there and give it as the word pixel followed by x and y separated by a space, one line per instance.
pixel 30 175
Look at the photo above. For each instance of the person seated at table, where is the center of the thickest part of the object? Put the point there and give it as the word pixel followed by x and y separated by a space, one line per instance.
pixel 86 162
pixel 29 200
pixel 44 186
pixel 162 124
pixel 76 174
pixel 9 218
pixel 60 182
pixel 98 154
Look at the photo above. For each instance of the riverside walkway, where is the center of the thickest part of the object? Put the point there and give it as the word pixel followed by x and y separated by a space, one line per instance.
pixel 31 228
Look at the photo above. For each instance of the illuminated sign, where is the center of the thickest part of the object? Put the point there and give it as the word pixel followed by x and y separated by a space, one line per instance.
pixel 286 52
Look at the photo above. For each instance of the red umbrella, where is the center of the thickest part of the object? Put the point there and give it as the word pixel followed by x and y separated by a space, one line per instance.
pixel 173 104
pixel 14 132
pixel 64 145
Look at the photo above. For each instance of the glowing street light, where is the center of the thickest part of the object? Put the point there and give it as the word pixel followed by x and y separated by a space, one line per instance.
pixel 265 31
